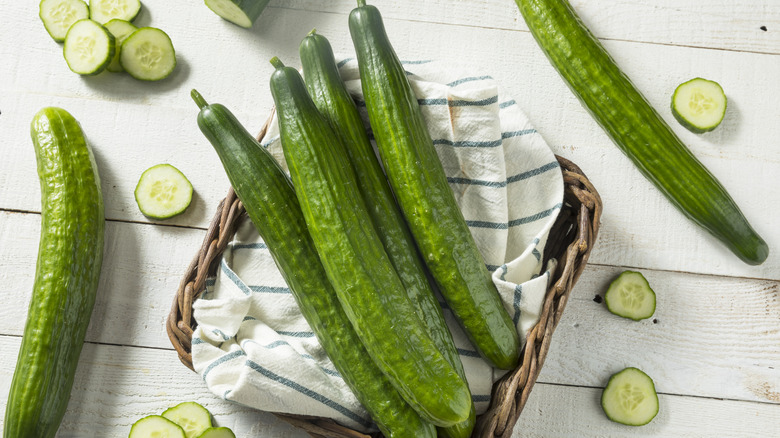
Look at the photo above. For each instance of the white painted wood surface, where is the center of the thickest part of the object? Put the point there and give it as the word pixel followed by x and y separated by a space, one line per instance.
pixel 715 348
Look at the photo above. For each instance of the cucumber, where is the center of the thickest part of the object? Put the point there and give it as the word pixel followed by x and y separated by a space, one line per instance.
pixel 424 195
pixel 155 426
pixel 334 102
pixel 355 261
pixel 270 200
pixel 241 12
pixel 630 398
pixel 636 128
pixel 217 432
pixel 70 255
pixel 120 29
pixel 148 54
pixel 104 11
pixel 631 296
pixel 163 192
pixel 191 417
pixel 88 48
pixel 59 15
pixel 699 105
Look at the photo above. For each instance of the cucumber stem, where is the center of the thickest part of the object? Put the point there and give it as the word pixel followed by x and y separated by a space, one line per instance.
pixel 276 62
pixel 313 32
pixel 198 98
pixel 361 3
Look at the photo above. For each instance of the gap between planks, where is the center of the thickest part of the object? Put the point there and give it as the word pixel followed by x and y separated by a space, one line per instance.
pixel 124 221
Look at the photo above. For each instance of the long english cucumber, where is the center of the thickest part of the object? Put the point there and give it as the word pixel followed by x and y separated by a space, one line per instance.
pixel 636 128
pixel 70 256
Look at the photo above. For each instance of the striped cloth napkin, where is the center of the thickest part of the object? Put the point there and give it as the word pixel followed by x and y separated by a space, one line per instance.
pixel 252 345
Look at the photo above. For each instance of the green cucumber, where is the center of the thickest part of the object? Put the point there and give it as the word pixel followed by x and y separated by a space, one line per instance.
pixel 240 12
pixel 355 261
pixel 156 426
pixel 120 29
pixel 70 255
pixel 636 128
pixel 699 105
pixel 193 418
pixel 89 47
pixel 148 54
pixel 426 199
pixel 334 102
pixel 163 192
pixel 59 15
pixel 630 398
pixel 270 200
pixel 104 11
pixel 217 432
pixel 631 296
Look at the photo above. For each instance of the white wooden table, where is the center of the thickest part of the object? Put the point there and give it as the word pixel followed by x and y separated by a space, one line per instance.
pixel 714 345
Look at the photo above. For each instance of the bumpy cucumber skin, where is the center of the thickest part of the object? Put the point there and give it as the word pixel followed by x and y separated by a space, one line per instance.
pixel 636 128
pixel 426 199
pixel 270 201
pixel 334 102
pixel 251 8
pixel 70 255
pixel 356 263
pixel 688 125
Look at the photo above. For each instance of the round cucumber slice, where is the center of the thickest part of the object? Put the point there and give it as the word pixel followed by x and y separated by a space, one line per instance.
pixel 630 398
pixel 699 105
pixel 217 432
pixel 148 55
pixel 163 192
pixel 191 416
pixel 88 48
pixel 120 29
pixel 631 296
pixel 59 15
pixel 155 426
pixel 104 11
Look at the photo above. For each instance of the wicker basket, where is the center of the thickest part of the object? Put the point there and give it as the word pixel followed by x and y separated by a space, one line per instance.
pixel 571 240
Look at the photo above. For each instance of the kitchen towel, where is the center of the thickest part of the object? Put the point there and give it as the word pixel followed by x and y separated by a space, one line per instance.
pixel 252 345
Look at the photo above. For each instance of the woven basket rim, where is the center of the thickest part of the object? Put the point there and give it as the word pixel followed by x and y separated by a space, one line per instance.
pixel 571 240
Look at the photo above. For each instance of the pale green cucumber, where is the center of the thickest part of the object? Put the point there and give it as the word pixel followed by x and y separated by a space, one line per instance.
pixel 120 29
pixel 631 296
pixel 148 54
pixel 104 11
pixel 89 47
pixel 699 105
pixel 191 417
pixel 156 426
pixel 59 15
pixel 163 192
pixel 630 398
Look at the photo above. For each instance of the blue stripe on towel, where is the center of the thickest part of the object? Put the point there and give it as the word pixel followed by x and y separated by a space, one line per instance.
pixel 468 353
pixel 508 103
pixel 480 398
pixel 522 132
pixel 296 334
pixel 270 289
pixel 222 359
pixel 533 172
pixel 515 222
pixel 258 245
pixel 468 79
pixel 516 303
pixel 468 143
pixel 234 278
pixel 309 393
pixel 501 184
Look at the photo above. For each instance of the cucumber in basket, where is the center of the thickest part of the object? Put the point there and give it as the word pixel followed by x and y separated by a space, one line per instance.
pixel 59 15
pixel 272 205
pixel 355 261
pixel 636 128
pixel 334 102
pixel 70 255
pixel 424 195
pixel 89 47
pixel 148 54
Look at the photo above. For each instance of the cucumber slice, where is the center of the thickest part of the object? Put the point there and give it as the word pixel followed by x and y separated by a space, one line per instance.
pixel 104 11
pixel 191 416
pixel 631 296
pixel 699 105
pixel 59 15
pixel 121 29
pixel 217 432
pixel 163 192
pixel 89 47
pixel 155 426
pixel 148 55
pixel 630 398
pixel 241 12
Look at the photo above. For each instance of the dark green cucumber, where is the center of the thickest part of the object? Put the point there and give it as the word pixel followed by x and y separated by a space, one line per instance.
pixel 355 261
pixel 334 102
pixel 426 200
pixel 636 128
pixel 70 255
pixel 270 201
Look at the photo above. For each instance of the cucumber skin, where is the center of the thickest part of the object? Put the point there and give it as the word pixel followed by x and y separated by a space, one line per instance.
pixel 271 203
pixel 70 255
pixel 334 102
pixel 357 265
pixel 424 195
pixel 636 128
pixel 251 8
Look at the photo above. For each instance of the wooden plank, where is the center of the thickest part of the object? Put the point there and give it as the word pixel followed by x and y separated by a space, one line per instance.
pixel 116 386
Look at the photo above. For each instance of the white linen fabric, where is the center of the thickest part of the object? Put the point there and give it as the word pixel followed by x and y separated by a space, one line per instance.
pixel 252 345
